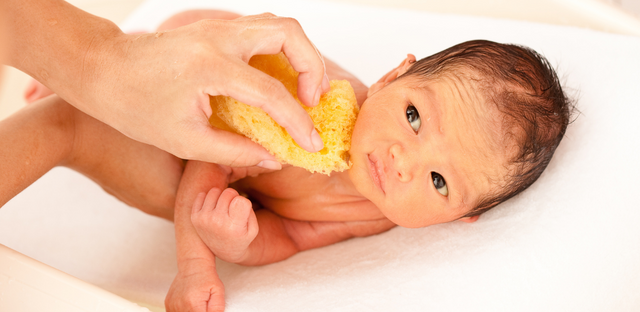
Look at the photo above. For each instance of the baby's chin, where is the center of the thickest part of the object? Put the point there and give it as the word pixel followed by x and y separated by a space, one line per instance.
pixel 365 188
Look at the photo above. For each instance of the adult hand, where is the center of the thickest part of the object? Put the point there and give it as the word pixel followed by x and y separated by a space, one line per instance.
pixel 155 87
pixel 210 58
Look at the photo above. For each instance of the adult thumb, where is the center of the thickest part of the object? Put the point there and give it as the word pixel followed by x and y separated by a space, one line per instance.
pixel 222 147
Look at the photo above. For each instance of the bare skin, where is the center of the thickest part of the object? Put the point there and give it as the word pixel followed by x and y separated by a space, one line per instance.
pixel 292 210
pixel 50 133
pixel 149 84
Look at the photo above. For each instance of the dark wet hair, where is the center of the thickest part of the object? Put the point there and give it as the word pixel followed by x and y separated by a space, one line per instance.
pixel 525 89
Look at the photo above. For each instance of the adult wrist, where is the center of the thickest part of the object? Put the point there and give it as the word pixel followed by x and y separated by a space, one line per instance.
pixel 56 43
pixel 100 60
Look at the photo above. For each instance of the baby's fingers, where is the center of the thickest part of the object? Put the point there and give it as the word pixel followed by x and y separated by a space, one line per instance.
pixel 203 207
pixel 223 201
pixel 239 211
pixel 252 225
pixel 244 218
pixel 211 200
pixel 198 204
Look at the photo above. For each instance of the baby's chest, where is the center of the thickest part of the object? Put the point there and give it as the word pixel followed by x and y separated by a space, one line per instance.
pixel 307 197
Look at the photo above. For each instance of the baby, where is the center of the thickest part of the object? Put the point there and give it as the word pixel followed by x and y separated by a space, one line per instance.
pixel 437 140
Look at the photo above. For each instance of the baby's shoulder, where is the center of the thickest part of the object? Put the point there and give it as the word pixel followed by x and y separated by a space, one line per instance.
pixel 288 182
pixel 296 194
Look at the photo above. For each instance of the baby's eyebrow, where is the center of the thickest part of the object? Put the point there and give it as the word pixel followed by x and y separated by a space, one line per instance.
pixel 430 106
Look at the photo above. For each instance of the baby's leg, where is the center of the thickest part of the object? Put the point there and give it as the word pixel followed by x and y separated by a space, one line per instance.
pixel 140 175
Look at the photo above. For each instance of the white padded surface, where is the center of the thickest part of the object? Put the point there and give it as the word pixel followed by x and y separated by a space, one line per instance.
pixel 569 243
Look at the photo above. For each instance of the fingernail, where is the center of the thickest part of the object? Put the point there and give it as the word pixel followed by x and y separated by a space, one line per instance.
pixel 270 164
pixel 326 86
pixel 316 98
pixel 316 140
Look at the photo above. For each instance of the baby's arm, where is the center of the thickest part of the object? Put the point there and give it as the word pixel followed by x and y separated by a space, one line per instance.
pixel 196 286
pixel 280 238
pixel 228 225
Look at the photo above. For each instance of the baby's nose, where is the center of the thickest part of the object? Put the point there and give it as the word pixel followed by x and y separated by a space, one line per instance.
pixel 401 164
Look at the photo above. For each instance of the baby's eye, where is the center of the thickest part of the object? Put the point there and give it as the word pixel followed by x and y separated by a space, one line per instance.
pixel 440 184
pixel 413 117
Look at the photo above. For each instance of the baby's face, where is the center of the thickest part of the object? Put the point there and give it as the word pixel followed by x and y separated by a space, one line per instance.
pixel 420 150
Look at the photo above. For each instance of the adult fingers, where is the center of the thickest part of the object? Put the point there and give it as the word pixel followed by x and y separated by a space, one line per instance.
pixel 271 95
pixel 221 147
pixel 307 83
pixel 271 34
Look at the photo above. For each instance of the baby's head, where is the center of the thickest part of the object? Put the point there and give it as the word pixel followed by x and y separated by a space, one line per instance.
pixel 456 133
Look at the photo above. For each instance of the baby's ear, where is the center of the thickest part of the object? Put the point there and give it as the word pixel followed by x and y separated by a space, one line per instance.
pixel 470 219
pixel 392 75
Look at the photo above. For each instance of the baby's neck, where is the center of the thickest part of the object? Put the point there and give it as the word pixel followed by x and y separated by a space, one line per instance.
pixel 343 180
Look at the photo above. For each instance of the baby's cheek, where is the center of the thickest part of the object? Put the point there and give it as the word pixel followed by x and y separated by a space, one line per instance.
pixel 360 131
pixel 412 208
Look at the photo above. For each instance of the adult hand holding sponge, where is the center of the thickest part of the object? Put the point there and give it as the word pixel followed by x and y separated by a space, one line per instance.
pixel 334 118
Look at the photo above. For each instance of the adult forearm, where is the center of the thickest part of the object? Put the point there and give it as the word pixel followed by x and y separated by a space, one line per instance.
pixel 57 44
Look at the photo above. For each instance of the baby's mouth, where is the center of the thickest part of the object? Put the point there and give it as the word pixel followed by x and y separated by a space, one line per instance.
pixel 376 170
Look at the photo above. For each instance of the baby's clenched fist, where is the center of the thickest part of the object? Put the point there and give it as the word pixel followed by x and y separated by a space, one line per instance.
pixel 225 221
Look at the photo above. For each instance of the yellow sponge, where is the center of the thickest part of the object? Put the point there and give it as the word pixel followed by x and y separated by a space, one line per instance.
pixel 333 118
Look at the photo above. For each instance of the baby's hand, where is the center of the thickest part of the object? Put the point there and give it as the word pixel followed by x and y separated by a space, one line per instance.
pixel 197 288
pixel 225 221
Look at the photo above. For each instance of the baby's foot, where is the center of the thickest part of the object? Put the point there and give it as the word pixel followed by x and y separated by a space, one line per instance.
pixel 35 91
pixel 225 221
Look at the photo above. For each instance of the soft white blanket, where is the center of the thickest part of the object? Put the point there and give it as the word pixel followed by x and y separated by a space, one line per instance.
pixel 569 243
